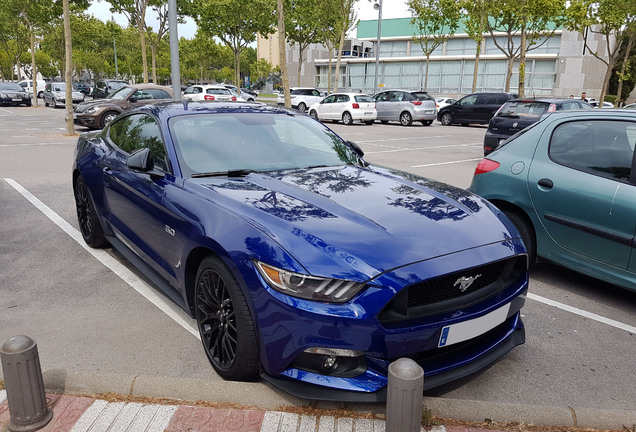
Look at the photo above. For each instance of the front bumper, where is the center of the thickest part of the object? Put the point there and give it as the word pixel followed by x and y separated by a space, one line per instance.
pixel 86 120
pixel 290 326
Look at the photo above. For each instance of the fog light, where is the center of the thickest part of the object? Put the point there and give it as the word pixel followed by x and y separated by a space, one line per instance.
pixel 329 362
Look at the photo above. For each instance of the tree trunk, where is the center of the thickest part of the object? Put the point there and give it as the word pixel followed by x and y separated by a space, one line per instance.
pixel 237 67
pixel 509 73
pixel 630 42
pixel 340 46
pixel 68 103
pixel 300 62
pixel 34 67
pixel 606 80
pixel 330 48
pixel 283 54
pixel 478 51
pixel 142 36
pixel 522 61
pixel 153 54
pixel 426 73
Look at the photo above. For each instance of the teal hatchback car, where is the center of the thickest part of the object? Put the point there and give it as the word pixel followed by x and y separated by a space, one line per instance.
pixel 566 182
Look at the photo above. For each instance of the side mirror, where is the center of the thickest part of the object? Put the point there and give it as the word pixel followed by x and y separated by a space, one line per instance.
pixel 133 99
pixel 356 148
pixel 141 160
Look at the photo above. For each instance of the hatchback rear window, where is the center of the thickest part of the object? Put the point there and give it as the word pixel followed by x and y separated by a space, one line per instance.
pixel 364 98
pixel 525 109
pixel 422 96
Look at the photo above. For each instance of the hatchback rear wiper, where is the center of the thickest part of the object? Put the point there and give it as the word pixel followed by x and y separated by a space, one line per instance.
pixel 230 173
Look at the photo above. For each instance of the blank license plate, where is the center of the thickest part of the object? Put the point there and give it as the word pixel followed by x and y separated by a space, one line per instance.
pixel 463 331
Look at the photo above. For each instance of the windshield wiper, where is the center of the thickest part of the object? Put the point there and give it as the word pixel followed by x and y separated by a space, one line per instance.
pixel 230 173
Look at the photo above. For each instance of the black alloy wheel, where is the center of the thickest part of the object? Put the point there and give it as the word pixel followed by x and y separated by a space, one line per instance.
pixel 89 224
pixel 446 119
pixel 224 321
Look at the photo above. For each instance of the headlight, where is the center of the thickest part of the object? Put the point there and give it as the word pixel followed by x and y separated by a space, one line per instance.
pixel 92 110
pixel 309 287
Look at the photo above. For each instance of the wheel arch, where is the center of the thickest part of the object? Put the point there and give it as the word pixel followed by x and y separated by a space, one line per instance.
pixel 508 207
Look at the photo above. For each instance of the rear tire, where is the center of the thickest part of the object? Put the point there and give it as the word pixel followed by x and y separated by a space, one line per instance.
pixel 225 323
pixel 302 107
pixel 524 226
pixel 406 119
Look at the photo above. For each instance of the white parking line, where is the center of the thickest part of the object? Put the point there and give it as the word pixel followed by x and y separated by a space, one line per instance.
pixel 146 290
pixel 446 163
pixel 180 317
pixel 38 144
pixel 583 313
pixel 404 149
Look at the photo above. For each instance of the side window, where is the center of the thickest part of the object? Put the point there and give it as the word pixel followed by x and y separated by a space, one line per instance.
pixel 329 99
pixel 396 96
pixel 190 90
pixel 382 97
pixel 343 98
pixel 138 131
pixel 468 100
pixel 158 94
pixel 604 148
pixel 408 97
pixel 486 99
pixel 502 98
pixel 23 85
pixel 315 93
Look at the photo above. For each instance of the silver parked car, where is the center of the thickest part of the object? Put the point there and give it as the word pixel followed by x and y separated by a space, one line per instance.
pixel 55 94
pixel 404 106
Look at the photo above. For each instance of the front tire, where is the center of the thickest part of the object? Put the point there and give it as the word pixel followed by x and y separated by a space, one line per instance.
pixel 346 118
pixel 406 119
pixel 313 114
pixel 446 119
pixel 225 324
pixel 89 224
pixel 108 117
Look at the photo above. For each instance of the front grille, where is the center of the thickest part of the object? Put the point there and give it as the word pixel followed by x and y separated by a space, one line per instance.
pixel 444 293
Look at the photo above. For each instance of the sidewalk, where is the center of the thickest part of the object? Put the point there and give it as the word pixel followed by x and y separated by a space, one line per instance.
pixel 84 414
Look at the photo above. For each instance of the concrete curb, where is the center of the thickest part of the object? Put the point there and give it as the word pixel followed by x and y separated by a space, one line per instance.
pixel 263 396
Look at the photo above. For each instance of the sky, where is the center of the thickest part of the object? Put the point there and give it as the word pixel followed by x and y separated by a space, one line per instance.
pixel 390 9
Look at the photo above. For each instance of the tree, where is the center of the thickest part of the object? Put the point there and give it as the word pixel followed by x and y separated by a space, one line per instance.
pixel 436 21
pixel 611 20
pixel 13 35
pixel 624 73
pixel 303 26
pixel 474 16
pixel 346 20
pixel 135 11
pixel 280 14
pixel 234 23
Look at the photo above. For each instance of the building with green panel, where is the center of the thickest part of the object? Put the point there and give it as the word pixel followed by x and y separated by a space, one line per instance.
pixel 559 66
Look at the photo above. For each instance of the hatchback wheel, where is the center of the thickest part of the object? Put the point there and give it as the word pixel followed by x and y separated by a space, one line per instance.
pixel 302 107
pixel 314 114
pixel 446 119
pixel 527 234
pixel 225 324
pixel 406 119
pixel 89 224
pixel 347 119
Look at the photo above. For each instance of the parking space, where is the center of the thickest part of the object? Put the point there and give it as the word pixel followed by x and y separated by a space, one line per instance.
pixel 87 317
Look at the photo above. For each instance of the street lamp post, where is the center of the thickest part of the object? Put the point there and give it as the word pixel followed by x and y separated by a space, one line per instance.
pixel 378 6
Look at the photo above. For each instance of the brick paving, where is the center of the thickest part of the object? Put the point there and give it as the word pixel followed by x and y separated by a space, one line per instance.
pixel 85 414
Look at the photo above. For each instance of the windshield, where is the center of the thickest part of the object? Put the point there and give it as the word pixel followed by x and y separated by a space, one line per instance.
pixel 10 86
pixel 524 109
pixel 121 93
pixel 60 87
pixel 212 143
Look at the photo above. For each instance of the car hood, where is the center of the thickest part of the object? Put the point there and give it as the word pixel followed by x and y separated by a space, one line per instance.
pixel 366 221
pixel 84 106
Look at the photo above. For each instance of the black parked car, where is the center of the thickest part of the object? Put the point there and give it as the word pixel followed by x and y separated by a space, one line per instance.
pixel 12 94
pixel 518 114
pixel 105 87
pixel 473 108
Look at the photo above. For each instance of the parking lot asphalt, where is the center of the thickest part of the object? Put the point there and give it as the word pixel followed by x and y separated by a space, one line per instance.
pixel 37 155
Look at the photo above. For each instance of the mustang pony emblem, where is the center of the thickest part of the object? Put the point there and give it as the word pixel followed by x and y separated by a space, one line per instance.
pixel 465 282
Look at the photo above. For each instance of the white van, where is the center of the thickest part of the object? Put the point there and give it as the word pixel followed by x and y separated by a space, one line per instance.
pixel 27 85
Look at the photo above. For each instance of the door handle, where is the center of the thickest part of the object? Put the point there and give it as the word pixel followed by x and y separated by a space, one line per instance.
pixel 546 183
pixel 107 171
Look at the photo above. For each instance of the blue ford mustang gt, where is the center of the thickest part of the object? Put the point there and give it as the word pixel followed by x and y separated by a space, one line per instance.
pixel 300 262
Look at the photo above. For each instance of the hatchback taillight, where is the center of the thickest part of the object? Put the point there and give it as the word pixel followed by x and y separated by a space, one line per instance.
pixel 355 105
pixel 208 97
pixel 416 102
pixel 486 166
pixel 234 98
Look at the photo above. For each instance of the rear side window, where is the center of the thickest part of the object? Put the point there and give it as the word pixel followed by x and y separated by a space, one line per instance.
pixel 422 96
pixel 488 99
pixel 601 147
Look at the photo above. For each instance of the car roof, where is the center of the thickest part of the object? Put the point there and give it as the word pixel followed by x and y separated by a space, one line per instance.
pixel 184 107
pixel 543 99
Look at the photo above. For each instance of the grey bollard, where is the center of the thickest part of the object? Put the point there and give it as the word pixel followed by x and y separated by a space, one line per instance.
pixel 24 385
pixel 404 396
